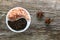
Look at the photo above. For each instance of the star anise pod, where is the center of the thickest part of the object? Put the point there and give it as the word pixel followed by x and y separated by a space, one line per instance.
pixel 40 14
pixel 48 20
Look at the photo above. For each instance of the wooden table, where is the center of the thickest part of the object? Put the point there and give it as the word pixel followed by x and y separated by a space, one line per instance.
pixel 37 30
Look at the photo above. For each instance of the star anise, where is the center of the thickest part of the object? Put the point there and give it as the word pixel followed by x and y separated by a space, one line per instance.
pixel 48 20
pixel 40 14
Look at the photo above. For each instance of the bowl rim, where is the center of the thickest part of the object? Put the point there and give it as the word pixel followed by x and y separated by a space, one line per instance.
pixel 28 21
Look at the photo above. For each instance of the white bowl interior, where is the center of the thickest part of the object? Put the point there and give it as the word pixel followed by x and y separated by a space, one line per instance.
pixel 27 26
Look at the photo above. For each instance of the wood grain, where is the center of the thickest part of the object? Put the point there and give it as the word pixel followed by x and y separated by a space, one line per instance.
pixel 38 30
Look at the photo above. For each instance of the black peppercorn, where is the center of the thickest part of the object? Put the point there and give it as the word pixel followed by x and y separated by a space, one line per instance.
pixel 18 24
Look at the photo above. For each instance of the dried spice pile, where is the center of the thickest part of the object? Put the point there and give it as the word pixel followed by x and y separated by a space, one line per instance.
pixel 18 25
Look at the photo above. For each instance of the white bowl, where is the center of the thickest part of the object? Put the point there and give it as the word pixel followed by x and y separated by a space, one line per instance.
pixel 28 22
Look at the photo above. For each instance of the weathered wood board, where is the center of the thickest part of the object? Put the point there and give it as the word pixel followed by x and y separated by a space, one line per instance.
pixel 38 30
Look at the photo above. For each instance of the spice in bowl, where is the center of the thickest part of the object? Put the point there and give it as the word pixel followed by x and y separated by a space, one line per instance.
pixel 18 19
pixel 18 24
pixel 17 13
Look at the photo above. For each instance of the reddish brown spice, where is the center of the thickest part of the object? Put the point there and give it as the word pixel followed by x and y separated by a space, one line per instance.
pixel 48 20
pixel 40 14
pixel 18 13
